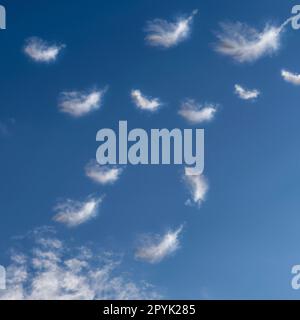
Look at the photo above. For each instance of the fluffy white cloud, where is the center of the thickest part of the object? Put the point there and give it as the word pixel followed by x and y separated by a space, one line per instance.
pixel 102 174
pixel 245 44
pixel 42 51
pixel 162 33
pixel 197 113
pixel 198 187
pixel 51 270
pixel 78 104
pixel 143 102
pixel 246 94
pixel 155 248
pixel 293 78
pixel 73 213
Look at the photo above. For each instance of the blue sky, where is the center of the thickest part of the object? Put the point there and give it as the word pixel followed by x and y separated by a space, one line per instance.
pixel 242 242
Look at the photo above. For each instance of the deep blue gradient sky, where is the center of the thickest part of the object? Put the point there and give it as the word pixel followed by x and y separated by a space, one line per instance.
pixel 245 238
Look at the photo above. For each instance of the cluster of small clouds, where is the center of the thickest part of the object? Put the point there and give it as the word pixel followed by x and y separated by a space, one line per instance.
pixel 52 270
pixel 236 40
pixel 48 272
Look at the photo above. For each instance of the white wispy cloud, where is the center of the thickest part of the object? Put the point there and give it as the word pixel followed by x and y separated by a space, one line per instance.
pixel 143 102
pixel 246 44
pixel 102 174
pixel 194 112
pixel 165 34
pixel 198 187
pixel 52 270
pixel 290 77
pixel 246 94
pixel 6 126
pixel 80 103
pixel 73 213
pixel 154 248
pixel 42 51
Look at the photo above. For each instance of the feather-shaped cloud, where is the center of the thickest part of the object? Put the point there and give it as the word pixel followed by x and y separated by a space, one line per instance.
pixel 198 187
pixel 291 77
pixel 42 51
pixel 245 94
pixel 155 248
pixel 143 102
pixel 246 44
pixel 74 213
pixel 165 34
pixel 102 174
pixel 80 103
pixel 194 112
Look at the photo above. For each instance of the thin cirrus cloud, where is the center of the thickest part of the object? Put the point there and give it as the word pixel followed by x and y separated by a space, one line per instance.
pixel 42 51
pixel 74 213
pixel 198 188
pixel 290 77
pixel 80 103
pixel 245 94
pixel 54 270
pixel 143 102
pixel 155 248
pixel 6 127
pixel 165 34
pixel 102 174
pixel 246 44
pixel 195 113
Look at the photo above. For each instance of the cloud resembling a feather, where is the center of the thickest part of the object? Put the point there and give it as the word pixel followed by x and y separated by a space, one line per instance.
pixel 42 51
pixel 143 102
pixel 195 113
pixel 291 77
pixel 246 44
pixel 155 248
pixel 245 94
pixel 102 174
pixel 80 103
pixel 74 213
pixel 198 188
pixel 165 34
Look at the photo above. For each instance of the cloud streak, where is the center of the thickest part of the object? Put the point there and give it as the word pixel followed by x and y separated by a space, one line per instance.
pixel 74 213
pixel 197 113
pixel 42 51
pixel 80 103
pixel 6 127
pixel 165 34
pixel 245 94
pixel 154 249
pixel 290 77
